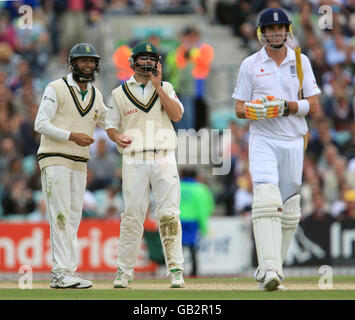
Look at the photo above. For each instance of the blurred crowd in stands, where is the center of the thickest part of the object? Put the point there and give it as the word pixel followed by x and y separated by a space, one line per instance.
pixel 329 166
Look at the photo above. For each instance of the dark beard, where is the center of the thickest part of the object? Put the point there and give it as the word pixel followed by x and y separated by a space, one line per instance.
pixel 83 77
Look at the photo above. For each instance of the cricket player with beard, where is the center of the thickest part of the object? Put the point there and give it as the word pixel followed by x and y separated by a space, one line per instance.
pixel 70 109
pixel 272 94
pixel 140 124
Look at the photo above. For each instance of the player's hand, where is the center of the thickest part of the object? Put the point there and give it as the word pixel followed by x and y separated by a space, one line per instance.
pixel 81 139
pixel 276 108
pixel 156 79
pixel 255 110
pixel 123 140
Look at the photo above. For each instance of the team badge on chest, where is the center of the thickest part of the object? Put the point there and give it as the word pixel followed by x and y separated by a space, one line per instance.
pixel 96 115
pixel 293 70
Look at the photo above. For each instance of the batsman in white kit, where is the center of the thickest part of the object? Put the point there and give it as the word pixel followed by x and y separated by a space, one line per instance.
pixel 140 124
pixel 275 89
pixel 70 109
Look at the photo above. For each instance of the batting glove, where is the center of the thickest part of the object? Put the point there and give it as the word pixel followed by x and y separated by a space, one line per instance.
pixel 276 108
pixel 255 110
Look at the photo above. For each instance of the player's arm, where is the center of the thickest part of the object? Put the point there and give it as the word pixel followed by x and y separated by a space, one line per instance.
pixel 120 139
pixel 112 123
pixel 46 113
pixel 240 109
pixel 300 107
pixel 309 105
pixel 171 107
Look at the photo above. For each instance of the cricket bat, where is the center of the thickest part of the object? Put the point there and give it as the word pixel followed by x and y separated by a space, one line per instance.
pixel 300 90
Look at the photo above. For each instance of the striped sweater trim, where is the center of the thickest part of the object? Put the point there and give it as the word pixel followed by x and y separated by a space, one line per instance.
pixel 66 156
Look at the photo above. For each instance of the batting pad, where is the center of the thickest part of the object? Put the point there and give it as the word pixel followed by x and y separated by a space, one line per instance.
pixel 266 217
pixel 289 221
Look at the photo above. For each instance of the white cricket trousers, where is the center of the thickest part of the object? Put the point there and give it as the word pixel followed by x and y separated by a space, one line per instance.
pixel 277 161
pixel 64 189
pixel 137 177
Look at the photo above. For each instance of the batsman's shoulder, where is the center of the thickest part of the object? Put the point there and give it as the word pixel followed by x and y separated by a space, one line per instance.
pixel 248 62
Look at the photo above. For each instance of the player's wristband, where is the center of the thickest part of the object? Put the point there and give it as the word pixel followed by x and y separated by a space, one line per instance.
pixel 286 109
pixel 303 108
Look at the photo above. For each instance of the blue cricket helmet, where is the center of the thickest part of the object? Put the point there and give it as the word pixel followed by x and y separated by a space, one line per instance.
pixel 273 16
pixel 270 17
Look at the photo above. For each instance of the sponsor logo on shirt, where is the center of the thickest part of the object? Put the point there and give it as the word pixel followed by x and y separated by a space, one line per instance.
pixel 47 98
pixel 127 113
pixel 263 74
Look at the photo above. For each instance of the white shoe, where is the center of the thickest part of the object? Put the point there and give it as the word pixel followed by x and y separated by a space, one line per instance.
pixel 262 288
pixel 122 279
pixel 271 281
pixel 177 279
pixel 63 280
pixel 83 283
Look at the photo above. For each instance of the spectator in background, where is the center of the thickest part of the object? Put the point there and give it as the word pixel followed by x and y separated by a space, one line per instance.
pixel 90 206
pixel 110 202
pixel 8 59
pixel 7 31
pixel 321 134
pixel 34 178
pixel 348 148
pixel 336 179
pixel 103 167
pixel 196 206
pixel 33 43
pixel 179 72
pixel 320 208
pixel 73 21
pixel 346 206
pixel 335 49
pixel 121 7
pixel 237 152
pixel 121 62
pixel 243 197
pixel 311 182
pixel 8 152
pixel 193 59
pixel 30 138
pixel 202 55
pixel 319 64
pixel 327 159
pixel 340 107
pixel 349 198
pixel 39 214
pixel 16 197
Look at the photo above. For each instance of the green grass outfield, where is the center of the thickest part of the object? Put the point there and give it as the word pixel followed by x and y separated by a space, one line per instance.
pixel 298 288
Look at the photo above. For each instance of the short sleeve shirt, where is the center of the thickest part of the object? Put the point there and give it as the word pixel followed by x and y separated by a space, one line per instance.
pixel 259 75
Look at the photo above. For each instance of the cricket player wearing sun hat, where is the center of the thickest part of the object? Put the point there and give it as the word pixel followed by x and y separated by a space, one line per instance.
pixel 140 123
pixel 276 90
